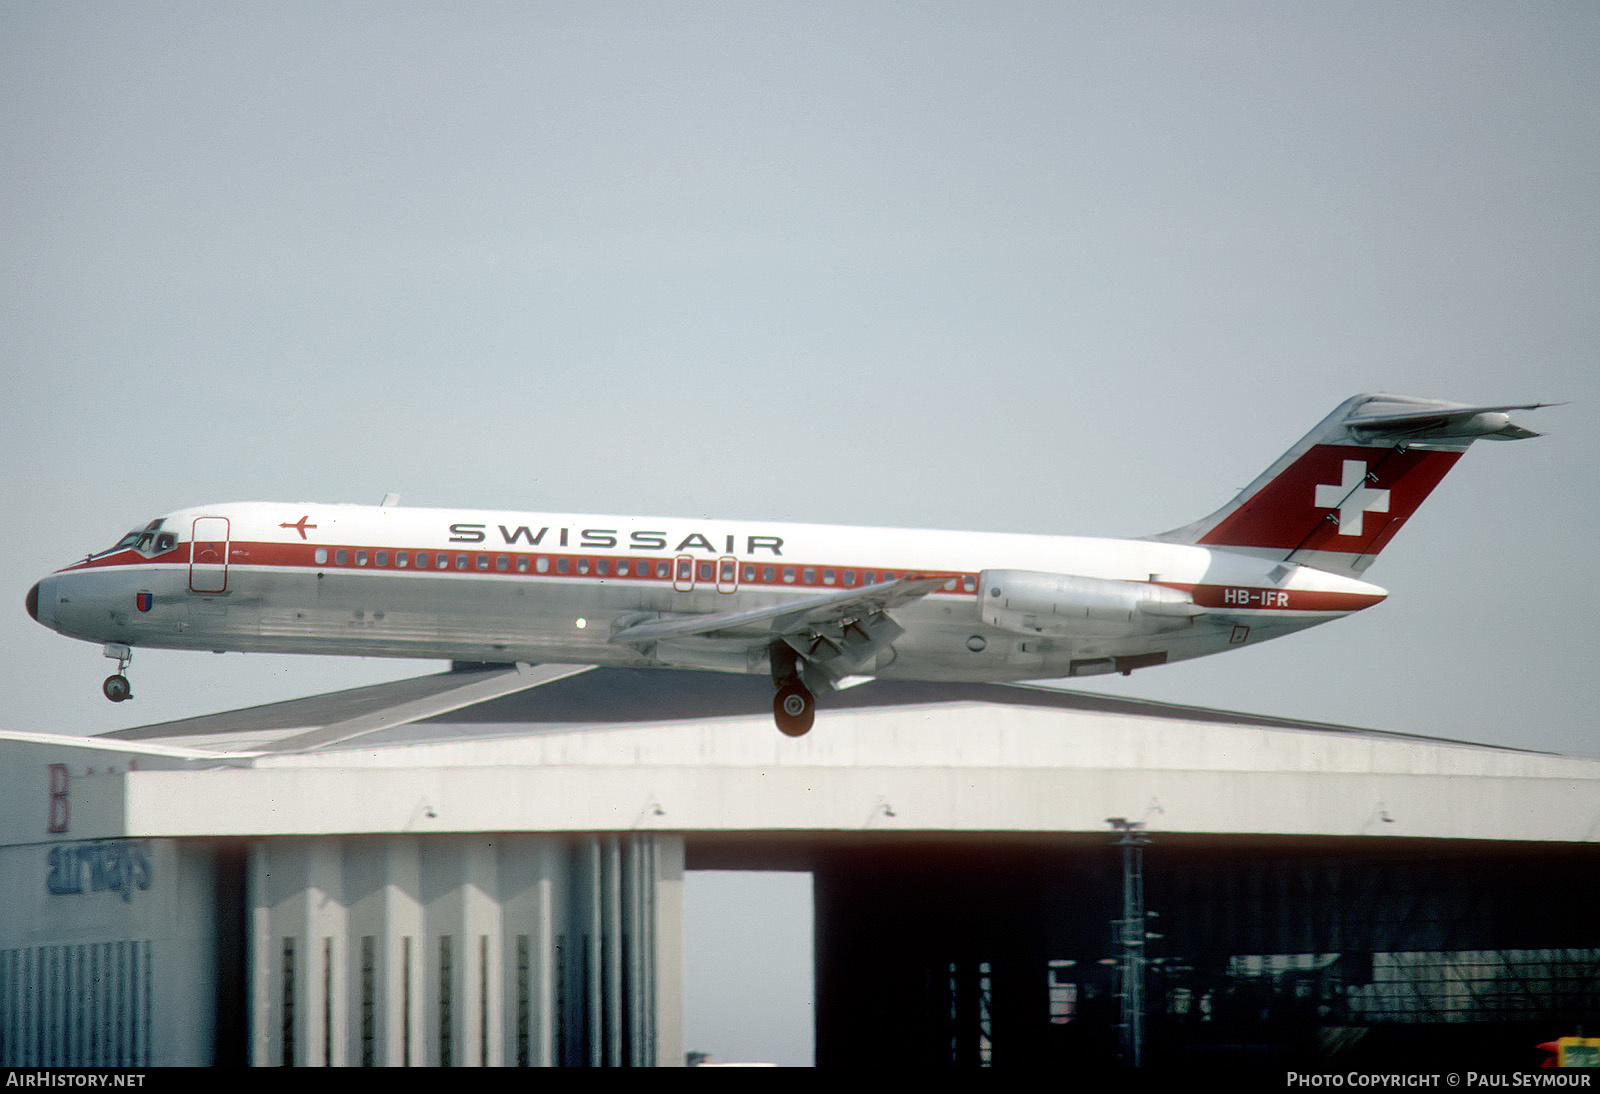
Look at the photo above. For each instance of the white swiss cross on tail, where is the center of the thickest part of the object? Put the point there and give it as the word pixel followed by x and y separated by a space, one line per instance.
pixel 1352 497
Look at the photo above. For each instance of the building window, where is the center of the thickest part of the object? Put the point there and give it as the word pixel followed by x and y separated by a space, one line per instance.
pixel 288 987
pixel 405 1001
pixel 327 1001
pixel 483 1000
pixel 524 1000
pixel 446 1002
pixel 369 1001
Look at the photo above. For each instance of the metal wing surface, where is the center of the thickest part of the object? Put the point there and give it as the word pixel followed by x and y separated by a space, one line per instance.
pixel 789 618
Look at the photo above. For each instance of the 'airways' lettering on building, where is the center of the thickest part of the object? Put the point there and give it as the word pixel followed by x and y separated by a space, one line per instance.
pixel 112 865
pixel 606 539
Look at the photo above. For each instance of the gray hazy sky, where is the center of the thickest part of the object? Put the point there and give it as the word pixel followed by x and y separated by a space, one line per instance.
pixel 1044 267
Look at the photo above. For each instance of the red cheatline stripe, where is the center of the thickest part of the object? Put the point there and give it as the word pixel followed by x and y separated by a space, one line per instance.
pixel 1255 598
pixel 763 574
pixel 586 567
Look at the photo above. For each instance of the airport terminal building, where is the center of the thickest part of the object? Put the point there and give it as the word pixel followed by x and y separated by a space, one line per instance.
pixel 485 867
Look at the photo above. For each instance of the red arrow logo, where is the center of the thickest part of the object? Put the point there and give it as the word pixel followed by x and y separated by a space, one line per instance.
pixel 299 526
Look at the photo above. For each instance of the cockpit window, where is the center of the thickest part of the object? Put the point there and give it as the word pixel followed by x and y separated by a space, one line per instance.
pixel 144 540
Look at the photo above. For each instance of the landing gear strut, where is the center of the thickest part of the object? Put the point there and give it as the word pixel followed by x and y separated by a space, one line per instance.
pixel 116 687
pixel 794 708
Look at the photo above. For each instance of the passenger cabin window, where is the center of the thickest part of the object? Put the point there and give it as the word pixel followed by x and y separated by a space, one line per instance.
pixel 321 555
pixel 400 558
pixel 422 560
pixel 342 557
pixel 381 558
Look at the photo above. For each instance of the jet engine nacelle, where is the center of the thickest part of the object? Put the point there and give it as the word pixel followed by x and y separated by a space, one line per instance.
pixel 1031 602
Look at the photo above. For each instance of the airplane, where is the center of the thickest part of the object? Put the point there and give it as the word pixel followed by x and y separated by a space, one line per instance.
pixel 816 607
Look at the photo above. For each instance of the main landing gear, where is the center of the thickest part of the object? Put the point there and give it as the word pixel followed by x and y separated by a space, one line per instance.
pixel 116 687
pixel 794 708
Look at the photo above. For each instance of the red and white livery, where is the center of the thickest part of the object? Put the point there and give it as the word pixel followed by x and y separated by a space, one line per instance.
pixel 812 605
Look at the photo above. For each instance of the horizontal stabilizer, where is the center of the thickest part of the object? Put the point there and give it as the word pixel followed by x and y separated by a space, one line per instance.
pixel 1490 423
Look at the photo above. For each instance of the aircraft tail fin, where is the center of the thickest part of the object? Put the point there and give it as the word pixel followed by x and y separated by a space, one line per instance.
pixel 1338 497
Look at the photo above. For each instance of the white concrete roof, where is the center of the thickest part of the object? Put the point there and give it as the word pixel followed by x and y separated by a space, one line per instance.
pixel 972 758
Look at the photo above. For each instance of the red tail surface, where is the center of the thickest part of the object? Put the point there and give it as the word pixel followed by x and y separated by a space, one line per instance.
pixel 1337 498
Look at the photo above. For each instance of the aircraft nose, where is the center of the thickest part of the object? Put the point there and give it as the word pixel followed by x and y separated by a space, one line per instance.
pixel 33 602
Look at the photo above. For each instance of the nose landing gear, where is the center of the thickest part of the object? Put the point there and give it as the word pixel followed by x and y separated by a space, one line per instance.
pixel 116 687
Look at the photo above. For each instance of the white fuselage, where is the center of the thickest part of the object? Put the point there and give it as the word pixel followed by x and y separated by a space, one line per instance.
pixel 507 587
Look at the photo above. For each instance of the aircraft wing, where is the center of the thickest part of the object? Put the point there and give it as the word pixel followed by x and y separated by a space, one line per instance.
pixel 792 617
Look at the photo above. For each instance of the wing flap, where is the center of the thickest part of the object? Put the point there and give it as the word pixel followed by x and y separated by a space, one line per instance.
pixel 791 617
